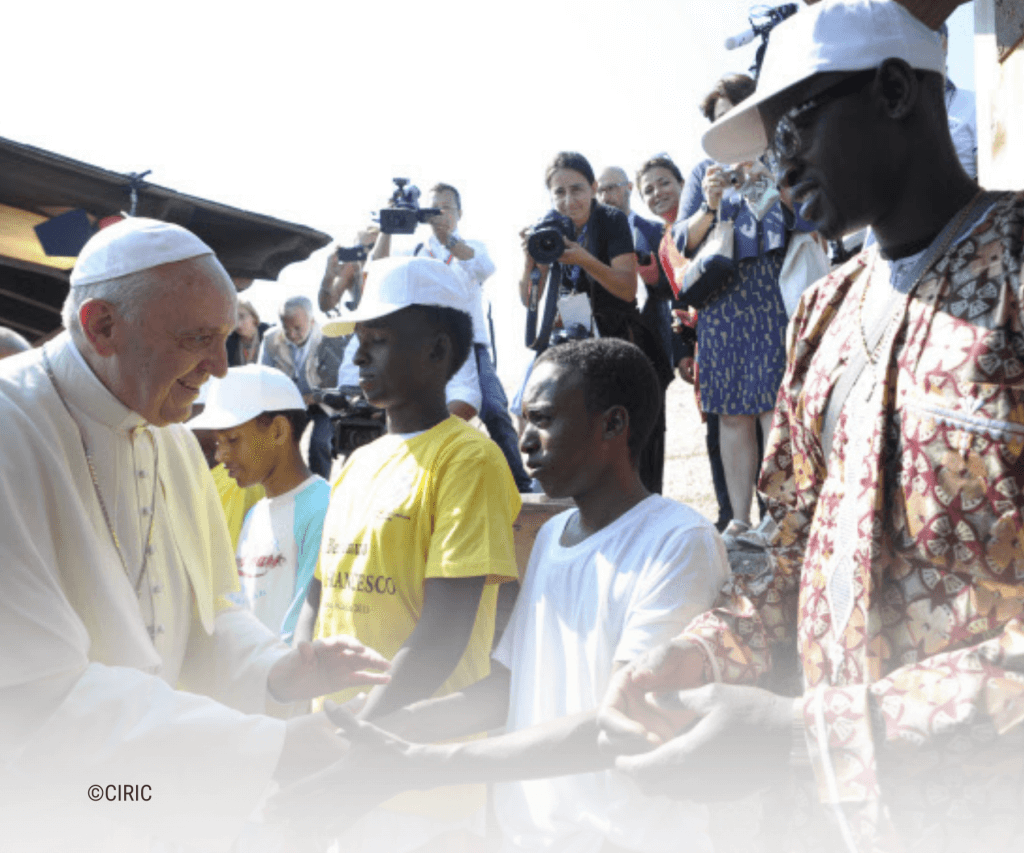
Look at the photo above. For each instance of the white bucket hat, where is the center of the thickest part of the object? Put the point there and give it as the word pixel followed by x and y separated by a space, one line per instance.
pixel 245 393
pixel 132 245
pixel 834 35
pixel 396 283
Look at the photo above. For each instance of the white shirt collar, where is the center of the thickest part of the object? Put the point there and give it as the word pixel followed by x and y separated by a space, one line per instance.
pixel 82 389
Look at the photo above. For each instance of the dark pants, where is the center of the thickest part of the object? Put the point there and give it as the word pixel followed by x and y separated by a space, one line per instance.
pixel 717 472
pixel 658 315
pixel 320 442
pixel 494 414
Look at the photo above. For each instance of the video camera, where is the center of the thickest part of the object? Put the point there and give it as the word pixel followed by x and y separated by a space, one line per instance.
pixel 544 241
pixel 405 213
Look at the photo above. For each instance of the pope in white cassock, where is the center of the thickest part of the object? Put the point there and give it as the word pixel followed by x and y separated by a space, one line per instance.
pixel 135 702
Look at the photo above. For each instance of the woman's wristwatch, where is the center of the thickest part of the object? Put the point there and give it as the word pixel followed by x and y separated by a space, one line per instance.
pixel 706 208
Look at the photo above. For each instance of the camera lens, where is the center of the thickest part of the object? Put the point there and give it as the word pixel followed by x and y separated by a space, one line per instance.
pixel 545 245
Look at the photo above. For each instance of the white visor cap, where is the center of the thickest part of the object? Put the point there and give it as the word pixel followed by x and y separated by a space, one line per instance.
pixel 834 35
pixel 244 393
pixel 396 283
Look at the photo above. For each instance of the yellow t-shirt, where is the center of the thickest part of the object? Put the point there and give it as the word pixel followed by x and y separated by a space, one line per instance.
pixel 235 500
pixel 437 505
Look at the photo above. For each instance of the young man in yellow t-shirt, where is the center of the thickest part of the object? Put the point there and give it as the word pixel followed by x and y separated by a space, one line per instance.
pixel 418 534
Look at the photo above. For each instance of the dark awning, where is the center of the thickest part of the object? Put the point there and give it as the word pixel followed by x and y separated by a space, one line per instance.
pixel 37 184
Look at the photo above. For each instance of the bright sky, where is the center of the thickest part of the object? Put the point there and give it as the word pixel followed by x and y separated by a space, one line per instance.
pixel 305 110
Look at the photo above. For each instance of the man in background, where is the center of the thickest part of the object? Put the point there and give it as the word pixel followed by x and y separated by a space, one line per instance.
pixel 295 348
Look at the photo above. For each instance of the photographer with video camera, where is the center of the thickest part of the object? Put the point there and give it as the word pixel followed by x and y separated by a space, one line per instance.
pixel 475 388
pixel 583 251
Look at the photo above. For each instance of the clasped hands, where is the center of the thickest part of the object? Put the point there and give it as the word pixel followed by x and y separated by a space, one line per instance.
pixel 675 734
pixel 669 730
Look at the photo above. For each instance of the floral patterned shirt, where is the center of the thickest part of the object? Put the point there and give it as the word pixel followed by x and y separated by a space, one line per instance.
pixel 897 581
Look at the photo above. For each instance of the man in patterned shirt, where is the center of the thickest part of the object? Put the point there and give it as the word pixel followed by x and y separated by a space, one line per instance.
pixel 894 471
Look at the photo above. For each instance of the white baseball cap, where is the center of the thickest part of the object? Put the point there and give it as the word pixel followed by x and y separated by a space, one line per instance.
pixel 132 245
pixel 834 35
pixel 396 283
pixel 245 393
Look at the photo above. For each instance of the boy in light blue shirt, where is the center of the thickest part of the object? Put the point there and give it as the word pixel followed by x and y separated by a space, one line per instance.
pixel 259 416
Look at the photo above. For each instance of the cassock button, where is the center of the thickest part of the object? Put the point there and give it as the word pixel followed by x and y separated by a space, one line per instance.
pixel 142 475
pixel 157 589
pixel 150 550
pixel 158 630
pixel 145 510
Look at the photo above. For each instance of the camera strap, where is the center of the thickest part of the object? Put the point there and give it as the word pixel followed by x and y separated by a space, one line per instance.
pixel 538 339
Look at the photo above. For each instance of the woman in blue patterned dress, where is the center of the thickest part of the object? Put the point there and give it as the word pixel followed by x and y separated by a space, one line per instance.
pixel 741 334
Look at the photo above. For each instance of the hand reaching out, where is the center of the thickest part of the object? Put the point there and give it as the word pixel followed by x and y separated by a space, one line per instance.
pixel 631 717
pixel 325 666
pixel 375 767
pixel 740 743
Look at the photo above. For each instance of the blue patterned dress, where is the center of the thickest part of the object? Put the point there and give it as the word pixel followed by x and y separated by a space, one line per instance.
pixel 741 336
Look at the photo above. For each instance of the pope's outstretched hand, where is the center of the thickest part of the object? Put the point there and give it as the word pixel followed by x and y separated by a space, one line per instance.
pixel 325 666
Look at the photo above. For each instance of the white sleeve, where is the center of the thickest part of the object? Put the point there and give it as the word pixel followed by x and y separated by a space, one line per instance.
pixel 480 267
pixel 681 582
pixel 206 766
pixel 67 723
pixel 465 384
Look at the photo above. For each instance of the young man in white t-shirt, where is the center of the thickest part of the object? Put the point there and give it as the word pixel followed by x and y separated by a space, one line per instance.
pixel 606 581
pixel 259 417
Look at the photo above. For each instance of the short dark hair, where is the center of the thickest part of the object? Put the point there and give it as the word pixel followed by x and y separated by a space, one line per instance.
pixel 297 420
pixel 662 161
pixel 734 87
pixel 570 160
pixel 614 373
pixel 458 325
pixel 440 188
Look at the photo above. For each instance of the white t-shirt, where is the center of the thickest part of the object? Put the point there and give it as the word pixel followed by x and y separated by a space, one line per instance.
pixel 634 584
pixel 277 553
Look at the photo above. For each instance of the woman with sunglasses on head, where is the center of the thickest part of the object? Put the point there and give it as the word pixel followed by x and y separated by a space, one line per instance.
pixel 741 333
pixel 600 263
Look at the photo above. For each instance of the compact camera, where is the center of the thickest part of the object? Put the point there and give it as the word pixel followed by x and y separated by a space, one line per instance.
pixel 352 253
pixel 736 177
pixel 405 213
pixel 544 241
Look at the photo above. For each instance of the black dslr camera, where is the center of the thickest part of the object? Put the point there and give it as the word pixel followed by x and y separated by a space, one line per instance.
pixel 544 242
pixel 405 213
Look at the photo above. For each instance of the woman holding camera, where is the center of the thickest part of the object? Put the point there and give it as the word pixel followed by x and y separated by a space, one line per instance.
pixel 599 262
pixel 741 334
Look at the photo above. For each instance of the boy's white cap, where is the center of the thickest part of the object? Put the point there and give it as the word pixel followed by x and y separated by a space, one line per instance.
pixel 834 35
pixel 132 245
pixel 396 283
pixel 245 393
